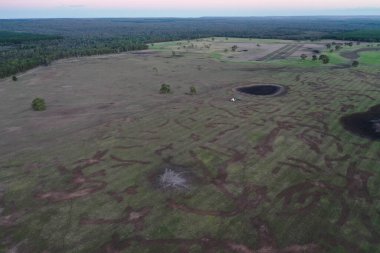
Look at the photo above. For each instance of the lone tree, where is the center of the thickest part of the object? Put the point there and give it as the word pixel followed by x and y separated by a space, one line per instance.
pixel 328 46
pixel 165 88
pixel 14 78
pixel 38 104
pixel 355 64
pixel 315 57
pixel 324 58
pixel 193 90
pixel 303 56
pixel 234 47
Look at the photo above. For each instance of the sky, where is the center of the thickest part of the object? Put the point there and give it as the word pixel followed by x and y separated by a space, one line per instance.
pixel 184 8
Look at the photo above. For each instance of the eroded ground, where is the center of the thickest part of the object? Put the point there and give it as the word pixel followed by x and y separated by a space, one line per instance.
pixel 268 174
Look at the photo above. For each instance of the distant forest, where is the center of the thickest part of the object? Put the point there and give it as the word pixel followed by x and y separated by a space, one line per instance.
pixel 27 43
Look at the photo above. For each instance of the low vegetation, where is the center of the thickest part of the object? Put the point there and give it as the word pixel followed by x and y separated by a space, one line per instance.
pixel 38 104
pixel 355 64
pixel 193 90
pixel 165 88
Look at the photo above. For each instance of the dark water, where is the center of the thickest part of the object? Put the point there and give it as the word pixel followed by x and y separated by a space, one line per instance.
pixel 364 124
pixel 261 90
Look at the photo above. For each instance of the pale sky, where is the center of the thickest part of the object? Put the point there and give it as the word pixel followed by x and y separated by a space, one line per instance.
pixel 183 8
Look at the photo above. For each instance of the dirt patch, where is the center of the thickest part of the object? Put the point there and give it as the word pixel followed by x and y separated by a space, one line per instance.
pixel 81 185
pixel 129 216
pixel 263 90
pixel 365 124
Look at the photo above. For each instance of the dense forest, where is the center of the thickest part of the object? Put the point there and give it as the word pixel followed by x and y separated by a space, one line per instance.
pixel 25 43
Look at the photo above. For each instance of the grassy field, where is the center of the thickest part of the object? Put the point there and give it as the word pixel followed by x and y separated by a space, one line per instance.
pixel 263 174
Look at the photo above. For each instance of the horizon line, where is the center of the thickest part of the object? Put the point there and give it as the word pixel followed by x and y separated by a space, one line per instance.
pixel 199 17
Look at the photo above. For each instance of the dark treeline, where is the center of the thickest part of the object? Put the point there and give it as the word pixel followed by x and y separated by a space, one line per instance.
pixel 45 40
pixel 29 54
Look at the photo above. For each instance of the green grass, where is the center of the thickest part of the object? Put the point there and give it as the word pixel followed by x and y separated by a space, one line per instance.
pixel 336 58
pixel 370 58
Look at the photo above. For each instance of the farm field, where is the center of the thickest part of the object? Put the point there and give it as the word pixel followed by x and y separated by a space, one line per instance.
pixel 263 174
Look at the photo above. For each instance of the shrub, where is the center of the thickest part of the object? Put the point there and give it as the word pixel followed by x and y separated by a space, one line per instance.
pixel 165 88
pixel 303 56
pixel 355 63
pixel 193 90
pixel 315 57
pixel 14 78
pixel 38 104
pixel 233 48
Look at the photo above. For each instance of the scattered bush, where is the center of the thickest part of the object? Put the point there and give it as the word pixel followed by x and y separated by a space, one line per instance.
pixel 165 89
pixel 303 56
pixel 38 104
pixel 355 64
pixel 193 90
pixel 14 78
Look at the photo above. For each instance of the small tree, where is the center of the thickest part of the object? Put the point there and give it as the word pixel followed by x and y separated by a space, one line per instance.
pixel 324 58
pixel 38 104
pixel 193 90
pixel 328 46
pixel 14 78
pixel 355 64
pixel 165 88
pixel 303 56
pixel 315 57
pixel 233 48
